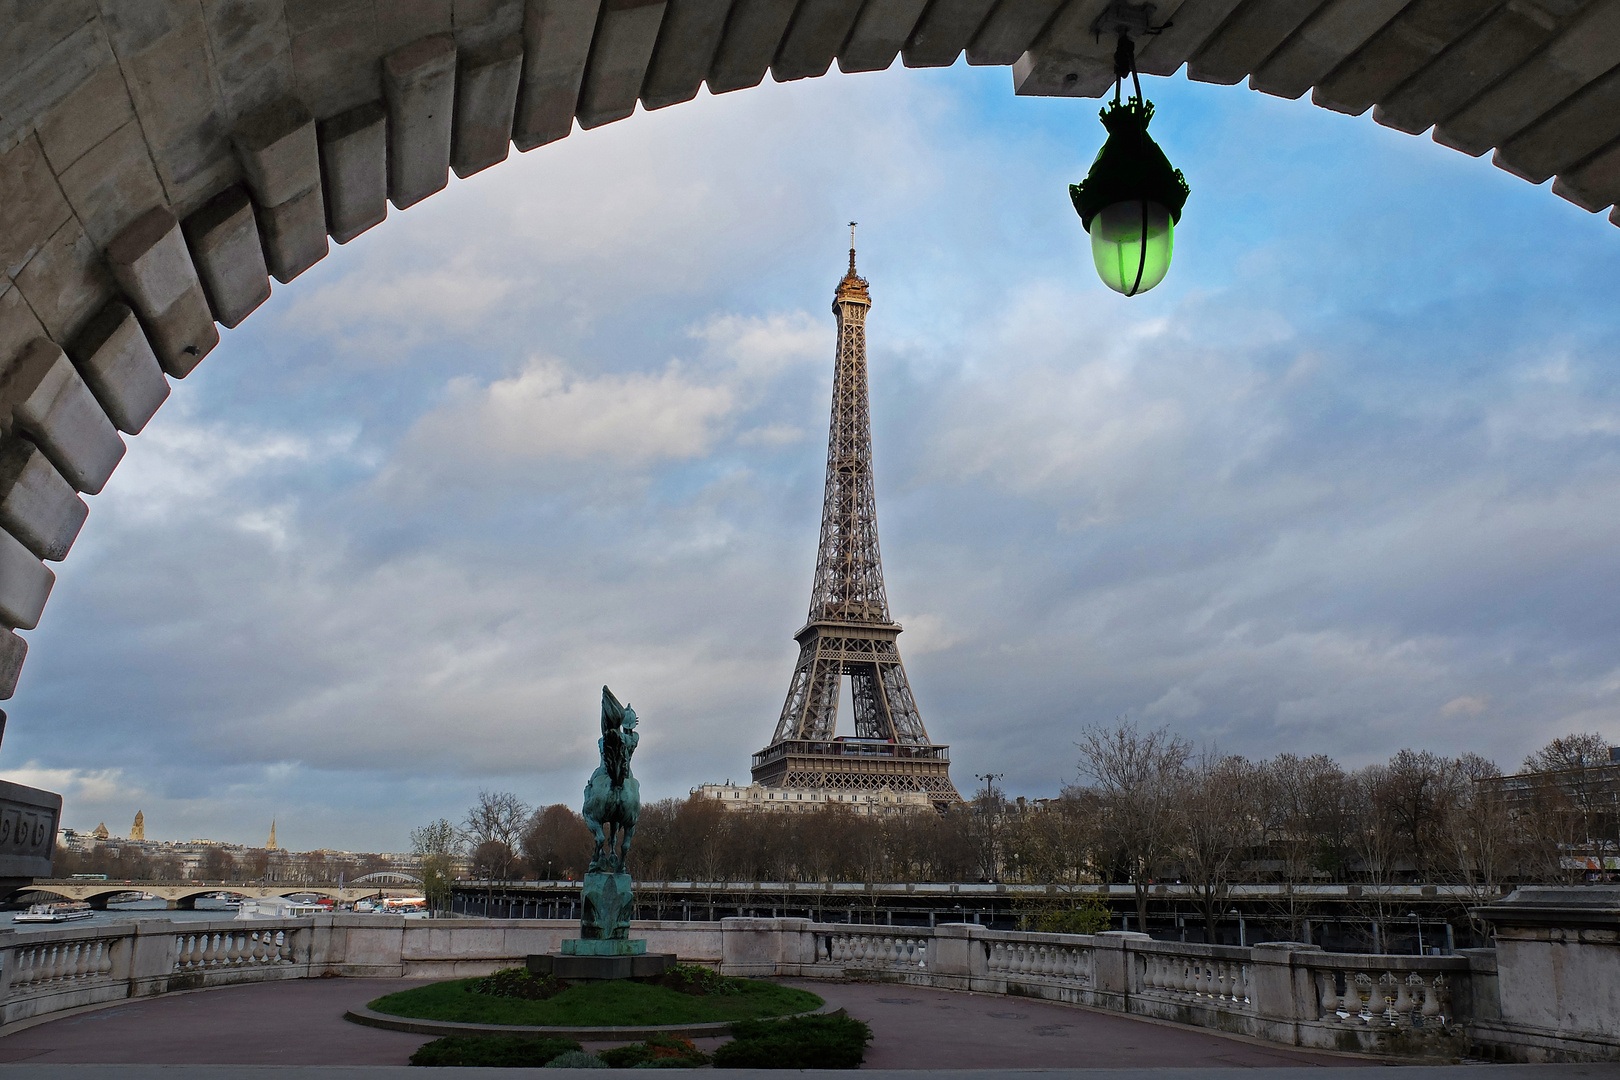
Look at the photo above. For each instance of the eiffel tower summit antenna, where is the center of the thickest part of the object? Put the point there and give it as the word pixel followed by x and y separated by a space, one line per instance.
pixel 849 630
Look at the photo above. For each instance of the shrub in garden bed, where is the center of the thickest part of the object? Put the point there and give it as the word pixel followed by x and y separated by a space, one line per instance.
pixel 518 983
pixel 696 980
pixel 508 1051
pixel 658 1052
pixel 577 1059
pixel 834 1041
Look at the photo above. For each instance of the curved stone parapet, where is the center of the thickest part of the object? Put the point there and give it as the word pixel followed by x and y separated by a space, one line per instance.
pixel 161 160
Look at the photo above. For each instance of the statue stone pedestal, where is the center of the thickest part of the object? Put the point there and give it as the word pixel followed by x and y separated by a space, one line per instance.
pixel 604 950
pixel 608 900
pixel 633 962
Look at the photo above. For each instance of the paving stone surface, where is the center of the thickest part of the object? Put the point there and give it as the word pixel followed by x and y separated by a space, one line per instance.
pixel 914 1028
pixel 301 1023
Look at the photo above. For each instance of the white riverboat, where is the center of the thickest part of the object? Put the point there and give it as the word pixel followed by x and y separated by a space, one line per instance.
pixel 54 913
pixel 275 907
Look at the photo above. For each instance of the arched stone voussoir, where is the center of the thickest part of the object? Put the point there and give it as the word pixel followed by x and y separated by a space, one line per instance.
pixel 160 160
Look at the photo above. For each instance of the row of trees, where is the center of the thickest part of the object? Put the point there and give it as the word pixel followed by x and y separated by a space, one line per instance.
pixel 135 862
pixel 1146 807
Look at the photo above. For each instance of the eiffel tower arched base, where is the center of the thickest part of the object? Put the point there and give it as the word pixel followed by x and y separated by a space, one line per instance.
pixel 857 765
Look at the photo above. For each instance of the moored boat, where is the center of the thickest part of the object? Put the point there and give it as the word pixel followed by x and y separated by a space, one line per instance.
pixel 68 911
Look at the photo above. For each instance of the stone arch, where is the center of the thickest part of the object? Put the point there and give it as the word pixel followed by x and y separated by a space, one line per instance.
pixel 161 160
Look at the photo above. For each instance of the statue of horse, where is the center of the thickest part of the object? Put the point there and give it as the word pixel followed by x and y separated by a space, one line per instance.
pixel 612 795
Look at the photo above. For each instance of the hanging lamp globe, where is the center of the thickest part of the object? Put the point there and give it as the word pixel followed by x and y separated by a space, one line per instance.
pixel 1130 202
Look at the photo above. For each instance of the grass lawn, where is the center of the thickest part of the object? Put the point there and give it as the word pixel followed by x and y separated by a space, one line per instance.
pixel 603 1004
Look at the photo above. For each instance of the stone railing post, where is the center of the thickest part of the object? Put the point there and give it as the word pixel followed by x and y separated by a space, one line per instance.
pixel 8 962
pixel 151 956
pixel 749 946
pixel 956 957
pixel 1281 988
pixel 327 946
pixel 1114 968
pixel 797 945
pixel 1484 993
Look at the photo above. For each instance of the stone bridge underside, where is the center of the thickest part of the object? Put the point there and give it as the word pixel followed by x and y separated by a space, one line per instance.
pixel 161 159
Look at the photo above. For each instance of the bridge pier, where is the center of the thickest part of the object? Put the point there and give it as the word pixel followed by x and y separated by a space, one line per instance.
pixel 99 903
pixel 185 903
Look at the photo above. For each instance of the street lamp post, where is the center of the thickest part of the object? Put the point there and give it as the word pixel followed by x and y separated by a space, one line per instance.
pixel 1130 202
pixel 1419 920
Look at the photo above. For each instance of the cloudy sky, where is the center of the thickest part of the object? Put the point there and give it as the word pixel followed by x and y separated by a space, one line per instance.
pixel 1348 481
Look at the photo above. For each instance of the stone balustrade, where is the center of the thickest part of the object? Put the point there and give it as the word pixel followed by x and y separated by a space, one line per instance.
pixel 1282 992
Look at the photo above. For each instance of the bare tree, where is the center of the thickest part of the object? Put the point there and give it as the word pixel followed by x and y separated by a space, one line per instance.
pixel 435 845
pixel 1136 777
pixel 1376 839
pixel 1217 800
pixel 1581 769
pixel 1481 832
pixel 1303 806
pixel 497 818
pixel 558 844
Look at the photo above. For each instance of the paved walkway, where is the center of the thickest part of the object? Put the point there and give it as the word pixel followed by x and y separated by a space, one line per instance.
pixel 914 1028
pixel 301 1023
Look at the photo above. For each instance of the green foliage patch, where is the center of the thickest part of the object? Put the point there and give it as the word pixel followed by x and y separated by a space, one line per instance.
pixel 697 980
pixel 501 1051
pixel 1064 915
pixel 834 1041
pixel 658 1052
pixel 518 983
pixel 601 1004
pixel 577 1059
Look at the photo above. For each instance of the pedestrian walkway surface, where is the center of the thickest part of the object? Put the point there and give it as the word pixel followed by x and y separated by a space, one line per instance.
pixel 300 1023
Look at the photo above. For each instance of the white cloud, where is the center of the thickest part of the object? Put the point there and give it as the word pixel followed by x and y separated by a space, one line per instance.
pixel 1317 486
pixel 548 411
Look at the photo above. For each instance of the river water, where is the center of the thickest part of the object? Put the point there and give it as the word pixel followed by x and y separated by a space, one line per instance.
pixel 138 909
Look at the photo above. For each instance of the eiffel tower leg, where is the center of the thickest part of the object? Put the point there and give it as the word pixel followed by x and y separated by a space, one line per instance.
pixel 902 709
pixel 871 714
pixel 811 708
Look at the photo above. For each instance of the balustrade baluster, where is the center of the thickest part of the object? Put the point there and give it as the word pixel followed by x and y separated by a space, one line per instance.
pixel 1383 993
pixel 1431 997
pixel 1244 974
pixel 1327 996
pixel 1403 1000
pixel 1352 997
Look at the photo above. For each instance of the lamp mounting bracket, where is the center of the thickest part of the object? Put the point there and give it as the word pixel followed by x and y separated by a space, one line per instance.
pixel 1124 19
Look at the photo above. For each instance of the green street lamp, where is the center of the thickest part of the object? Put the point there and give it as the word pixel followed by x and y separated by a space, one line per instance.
pixel 1130 202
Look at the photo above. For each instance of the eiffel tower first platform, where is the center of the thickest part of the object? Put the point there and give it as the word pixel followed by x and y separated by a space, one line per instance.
pixel 849 631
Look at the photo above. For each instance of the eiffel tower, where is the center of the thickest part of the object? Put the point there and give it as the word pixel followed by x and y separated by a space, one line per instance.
pixel 849 630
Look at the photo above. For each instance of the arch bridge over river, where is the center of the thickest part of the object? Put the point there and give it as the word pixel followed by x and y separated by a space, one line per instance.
pixel 160 160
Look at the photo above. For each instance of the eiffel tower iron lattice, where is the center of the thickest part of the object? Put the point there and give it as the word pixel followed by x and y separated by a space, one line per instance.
pixel 849 630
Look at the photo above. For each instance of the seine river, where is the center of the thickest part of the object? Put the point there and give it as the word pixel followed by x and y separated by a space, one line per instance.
pixel 139 909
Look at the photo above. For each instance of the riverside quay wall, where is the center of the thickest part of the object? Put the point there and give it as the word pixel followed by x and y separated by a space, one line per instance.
pixel 1552 991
